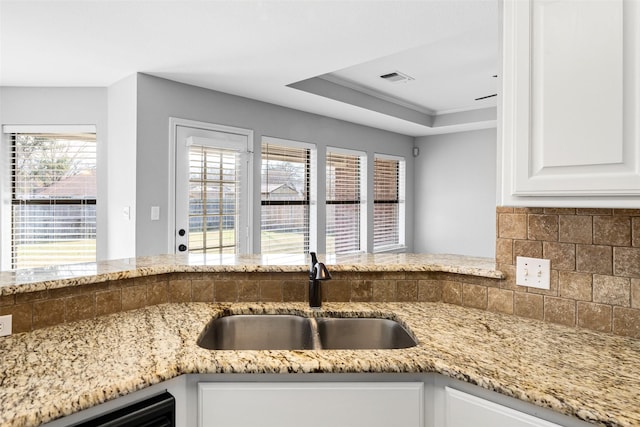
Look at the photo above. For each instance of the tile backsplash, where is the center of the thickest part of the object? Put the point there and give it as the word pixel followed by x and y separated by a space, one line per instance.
pixel 35 310
pixel 595 279
pixel 595 265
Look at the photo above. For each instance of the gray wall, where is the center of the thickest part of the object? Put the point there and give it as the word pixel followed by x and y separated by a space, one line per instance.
pixel 65 106
pixel 160 99
pixel 455 176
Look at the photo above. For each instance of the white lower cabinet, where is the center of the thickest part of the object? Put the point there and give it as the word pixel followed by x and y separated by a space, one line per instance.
pixel 311 404
pixel 336 400
pixel 464 410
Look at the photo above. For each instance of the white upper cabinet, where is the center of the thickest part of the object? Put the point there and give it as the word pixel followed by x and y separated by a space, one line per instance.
pixel 570 114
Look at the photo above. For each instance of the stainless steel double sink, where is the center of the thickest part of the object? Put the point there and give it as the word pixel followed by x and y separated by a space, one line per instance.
pixel 292 332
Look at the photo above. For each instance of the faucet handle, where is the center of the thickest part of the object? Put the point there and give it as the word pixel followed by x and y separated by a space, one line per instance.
pixel 321 272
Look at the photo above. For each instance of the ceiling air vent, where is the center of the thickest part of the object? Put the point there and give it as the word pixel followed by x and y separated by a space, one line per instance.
pixel 396 77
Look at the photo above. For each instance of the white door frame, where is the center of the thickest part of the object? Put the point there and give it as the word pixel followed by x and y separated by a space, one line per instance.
pixel 174 122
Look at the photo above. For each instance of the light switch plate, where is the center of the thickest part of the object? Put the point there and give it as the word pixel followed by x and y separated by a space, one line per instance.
pixel 533 272
pixel 155 213
pixel 5 325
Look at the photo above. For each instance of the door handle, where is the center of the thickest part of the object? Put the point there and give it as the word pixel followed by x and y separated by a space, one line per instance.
pixel 181 232
pixel 182 248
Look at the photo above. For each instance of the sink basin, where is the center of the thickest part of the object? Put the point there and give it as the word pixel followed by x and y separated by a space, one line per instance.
pixel 290 332
pixel 258 332
pixel 362 333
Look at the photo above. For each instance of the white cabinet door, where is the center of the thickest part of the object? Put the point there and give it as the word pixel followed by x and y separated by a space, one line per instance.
pixel 465 410
pixel 313 404
pixel 571 98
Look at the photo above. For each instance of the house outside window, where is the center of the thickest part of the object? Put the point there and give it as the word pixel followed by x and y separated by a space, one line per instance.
pixel 388 203
pixel 345 210
pixel 52 214
pixel 287 193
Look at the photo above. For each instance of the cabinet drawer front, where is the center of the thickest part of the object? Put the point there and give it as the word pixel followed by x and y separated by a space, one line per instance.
pixel 310 404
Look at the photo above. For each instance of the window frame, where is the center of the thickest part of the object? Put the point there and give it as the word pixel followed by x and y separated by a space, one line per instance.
pixel 362 196
pixel 8 190
pixel 311 187
pixel 400 200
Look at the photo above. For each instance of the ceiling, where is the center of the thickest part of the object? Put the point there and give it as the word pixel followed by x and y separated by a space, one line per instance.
pixel 324 57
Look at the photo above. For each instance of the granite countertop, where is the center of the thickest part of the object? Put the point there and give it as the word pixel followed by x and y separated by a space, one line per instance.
pixel 39 279
pixel 59 370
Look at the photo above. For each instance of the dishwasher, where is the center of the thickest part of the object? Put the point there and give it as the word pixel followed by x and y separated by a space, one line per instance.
pixel 156 411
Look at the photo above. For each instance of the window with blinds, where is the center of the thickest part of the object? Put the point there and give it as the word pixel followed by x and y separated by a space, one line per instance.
pixel 53 198
pixel 344 177
pixel 285 198
pixel 214 208
pixel 388 203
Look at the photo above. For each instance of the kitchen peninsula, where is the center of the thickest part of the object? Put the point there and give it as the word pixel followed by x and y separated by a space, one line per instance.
pixel 58 370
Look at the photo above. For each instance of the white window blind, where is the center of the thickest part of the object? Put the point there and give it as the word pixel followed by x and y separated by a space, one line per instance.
pixel 285 198
pixel 214 199
pixel 344 204
pixel 53 197
pixel 388 207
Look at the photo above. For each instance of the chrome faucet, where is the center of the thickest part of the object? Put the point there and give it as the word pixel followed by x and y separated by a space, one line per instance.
pixel 317 272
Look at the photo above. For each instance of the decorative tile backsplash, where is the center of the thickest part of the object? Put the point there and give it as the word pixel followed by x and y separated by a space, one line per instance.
pixel 595 279
pixel 35 310
pixel 595 265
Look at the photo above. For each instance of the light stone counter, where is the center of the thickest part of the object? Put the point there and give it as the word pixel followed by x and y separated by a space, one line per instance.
pixel 40 279
pixel 59 370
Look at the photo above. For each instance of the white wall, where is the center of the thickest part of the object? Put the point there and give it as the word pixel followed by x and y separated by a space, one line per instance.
pixel 65 106
pixel 455 176
pixel 122 99
pixel 160 99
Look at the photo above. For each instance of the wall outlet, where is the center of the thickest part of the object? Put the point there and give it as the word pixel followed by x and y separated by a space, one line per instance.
pixel 533 272
pixel 5 325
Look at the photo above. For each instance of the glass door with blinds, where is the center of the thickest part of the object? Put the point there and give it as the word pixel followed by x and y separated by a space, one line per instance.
pixel 52 183
pixel 212 193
